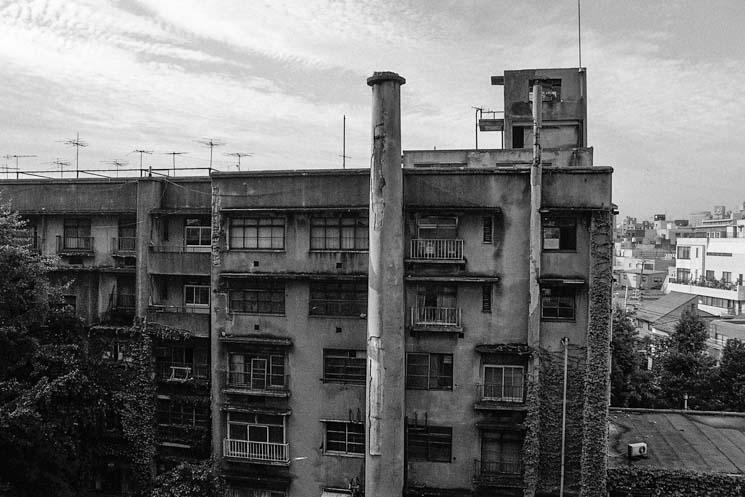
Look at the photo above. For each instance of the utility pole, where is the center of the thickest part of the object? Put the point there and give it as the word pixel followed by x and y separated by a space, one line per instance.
pixel 238 155
pixel 211 143
pixel 77 143
pixel 173 157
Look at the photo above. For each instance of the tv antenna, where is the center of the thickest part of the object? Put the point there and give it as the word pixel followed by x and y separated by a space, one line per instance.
pixel 579 31
pixel 238 155
pixel 77 143
pixel 211 143
pixel 173 158
pixel 344 155
pixel 8 157
pixel 117 164
pixel 141 151
pixel 61 163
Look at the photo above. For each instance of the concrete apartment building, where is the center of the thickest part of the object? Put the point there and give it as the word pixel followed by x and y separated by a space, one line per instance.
pixel 408 321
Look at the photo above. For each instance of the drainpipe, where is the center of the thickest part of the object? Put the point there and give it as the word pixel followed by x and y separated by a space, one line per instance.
pixel 565 344
pixel 384 455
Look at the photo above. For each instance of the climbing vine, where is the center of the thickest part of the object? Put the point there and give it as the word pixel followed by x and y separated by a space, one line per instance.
pixel 656 482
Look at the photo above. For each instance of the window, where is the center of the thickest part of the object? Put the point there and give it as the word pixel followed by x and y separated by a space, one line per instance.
pixel 488 229
pixel 429 371
pixel 181 412
pixel 257 296
pixel 557 303
pixel 345 437
pixel 182 362
pixel 198 232
pixel 504 383
pixel 682 275
pixel 265 233
pixel 70 302
pixel 197 295
pixel 684 252
pixel 344 366
pixel 437 228
pixel 696 252
pixel 77 234
pixel 429 443
pixel 256 371
pixel 518 136
pixel 500 453
pixel 338 298
pixel 262 428
pixel 339 233
pixel 709 275
pixel 486 298
pixel 726 276
pixel 717 302
pixel 127 234
pixel 559 233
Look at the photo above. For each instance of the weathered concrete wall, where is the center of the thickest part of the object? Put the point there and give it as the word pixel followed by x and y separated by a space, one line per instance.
pixel 71 196
pixel 186 193
pixel 508 157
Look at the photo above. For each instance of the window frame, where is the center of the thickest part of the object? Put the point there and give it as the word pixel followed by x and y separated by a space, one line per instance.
pixel 487 230
pixel 257 289
pixel 347 443
pixel 429 436
pixel 347 355
pixel 683 252
pixel 339 224
pixel 564 293
pixel 274 222
pixel 200 230
pixel 432 380
pixel 193 288
pixel 570 237
pixel 436 223
pixel 275 369
pixel 504 368
pixel 231 424
pixel 320 301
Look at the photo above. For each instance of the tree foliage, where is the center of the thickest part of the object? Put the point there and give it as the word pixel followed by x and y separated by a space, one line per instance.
pixel 632 384
pixel 190 480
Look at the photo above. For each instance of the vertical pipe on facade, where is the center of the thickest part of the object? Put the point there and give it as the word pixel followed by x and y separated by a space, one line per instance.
pixel 384 455
pixel 534 311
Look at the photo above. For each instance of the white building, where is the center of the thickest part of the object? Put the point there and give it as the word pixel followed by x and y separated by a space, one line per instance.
pixel 713 269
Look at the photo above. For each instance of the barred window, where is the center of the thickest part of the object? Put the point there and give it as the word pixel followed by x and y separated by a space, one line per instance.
pixel 181 412
pixel 339 233
pixel 344 366
pixel 488 229
pixel 345 437
pixel 429 443
pixel 257 233
pixel 198 231
pixel 558 303
pixel 429 371
pixel 338 298
pixel 257 297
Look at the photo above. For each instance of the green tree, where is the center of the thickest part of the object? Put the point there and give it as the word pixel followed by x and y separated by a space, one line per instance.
pixel 732 377
pixel 632 385
pixel 686 368
pixel 189 480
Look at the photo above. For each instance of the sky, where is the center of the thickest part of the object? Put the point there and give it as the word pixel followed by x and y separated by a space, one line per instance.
pixel 666 83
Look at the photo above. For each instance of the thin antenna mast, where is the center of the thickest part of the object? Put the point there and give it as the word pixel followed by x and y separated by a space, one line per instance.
pixel 77 143
pixel 239 155
pixel 579 31
pixel 141 151
pixel 117 164
pixel 16 157
pixel 344 155
pixel 173 156
pixel 61 163
pixel 211 143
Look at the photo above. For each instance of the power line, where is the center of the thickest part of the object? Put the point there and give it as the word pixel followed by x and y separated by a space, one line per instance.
pixel 211 143
pixel 77 143
pixel 238 155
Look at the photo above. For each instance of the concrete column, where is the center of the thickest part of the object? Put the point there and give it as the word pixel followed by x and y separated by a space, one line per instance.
pixel 149 193
pixel 384 455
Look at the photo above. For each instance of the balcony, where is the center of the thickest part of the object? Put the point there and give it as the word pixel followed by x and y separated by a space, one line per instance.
pixel 75 245
pixel 241 382
pixel 439 251
pixel 124 246
pixel 260 452
pixel 503 473
pixel 179 260
pixel 436 319
pixel 498 392
pixel 729 291
pixel 194 319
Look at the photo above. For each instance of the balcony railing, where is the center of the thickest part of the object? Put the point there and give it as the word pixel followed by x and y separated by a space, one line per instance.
pixel 501 393
pixel 436 316
pixel 124 245
pixel 124 302
pixel 181 371
pixel 179 309
pixel 74 244
pixel 256 451
pixel 436 250
pixel 503 472
pixel 242 380
pixel 716 284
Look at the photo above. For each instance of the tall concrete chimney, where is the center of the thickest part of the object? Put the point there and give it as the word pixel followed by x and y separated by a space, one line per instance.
pixel 384 443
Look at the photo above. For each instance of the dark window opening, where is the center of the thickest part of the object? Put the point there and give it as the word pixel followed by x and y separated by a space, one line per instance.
pixel 344 366
pixel 257 297
pixel 518 137
pixel 486 298
pixel 488 229
pixel 429 443
pixel 559 233
pixel 558 303
pixel 429 371
pixel 345 437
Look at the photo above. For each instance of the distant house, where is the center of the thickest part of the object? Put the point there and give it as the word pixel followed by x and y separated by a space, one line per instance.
pixel 686 453
pixel 659 317
pixel 721 331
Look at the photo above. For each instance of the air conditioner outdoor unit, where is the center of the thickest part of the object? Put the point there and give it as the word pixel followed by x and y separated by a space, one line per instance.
pixel 637 450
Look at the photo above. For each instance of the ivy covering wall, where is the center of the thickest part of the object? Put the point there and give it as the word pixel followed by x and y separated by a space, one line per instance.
pixel 654 482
